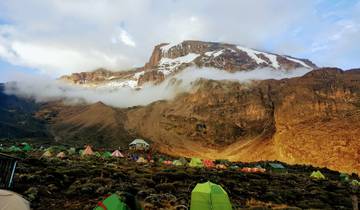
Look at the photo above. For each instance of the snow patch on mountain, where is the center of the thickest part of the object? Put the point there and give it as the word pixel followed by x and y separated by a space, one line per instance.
pixel 298 61
pixel 169 65
pixel 254 55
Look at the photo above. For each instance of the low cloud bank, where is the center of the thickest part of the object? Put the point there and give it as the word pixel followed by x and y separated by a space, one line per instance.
pixel 46 90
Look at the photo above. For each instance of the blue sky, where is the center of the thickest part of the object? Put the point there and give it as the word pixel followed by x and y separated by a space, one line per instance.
pixel 59 37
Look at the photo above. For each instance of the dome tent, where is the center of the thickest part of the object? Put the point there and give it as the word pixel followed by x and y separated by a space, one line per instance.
pixel 106 155
pixel 61 155
pixel 139 144
pixel 196 162
pixel 209 196
pixel 113 202
pixel 317 175
pixel 47 154
pixel 87 151
pixel 117 153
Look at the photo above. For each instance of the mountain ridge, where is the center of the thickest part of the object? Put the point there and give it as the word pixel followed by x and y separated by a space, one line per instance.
pixel 169 59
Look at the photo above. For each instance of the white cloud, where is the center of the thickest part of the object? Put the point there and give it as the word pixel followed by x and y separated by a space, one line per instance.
pixel 32 87
pixel 127 39
pixel 85 34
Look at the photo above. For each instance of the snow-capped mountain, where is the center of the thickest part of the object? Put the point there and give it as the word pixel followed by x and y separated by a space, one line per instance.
pixel 169 58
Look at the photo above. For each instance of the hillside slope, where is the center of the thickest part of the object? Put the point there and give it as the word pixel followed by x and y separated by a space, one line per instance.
pixel 314 119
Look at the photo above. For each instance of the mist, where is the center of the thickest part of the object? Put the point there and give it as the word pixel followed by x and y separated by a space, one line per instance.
pixel 46 90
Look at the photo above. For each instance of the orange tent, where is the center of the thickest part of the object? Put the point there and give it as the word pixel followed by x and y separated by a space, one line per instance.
pixel 167 162
pixel 117 153
pixel 88 151
pixel 208 163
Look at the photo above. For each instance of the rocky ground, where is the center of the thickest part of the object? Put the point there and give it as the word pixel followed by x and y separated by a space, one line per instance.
pixel 79 183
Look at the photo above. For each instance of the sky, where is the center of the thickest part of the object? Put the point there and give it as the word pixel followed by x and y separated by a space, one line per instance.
pixel 53 37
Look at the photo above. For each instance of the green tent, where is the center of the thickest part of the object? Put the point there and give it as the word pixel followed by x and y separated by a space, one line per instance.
pixel 26 147
pixel 71 151
pixel 97 154
pixel 344 177
pixel 196 162
pixel 113 202
pixel 317 175
pixel 106 155
pixel 14 149
pixel 177 163
pixel 183 160
pixel 277 168
pixel 209 196
pixel 355 183
pixel 81 152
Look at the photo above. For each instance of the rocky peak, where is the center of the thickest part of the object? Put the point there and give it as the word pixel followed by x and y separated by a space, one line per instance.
pixel 170 58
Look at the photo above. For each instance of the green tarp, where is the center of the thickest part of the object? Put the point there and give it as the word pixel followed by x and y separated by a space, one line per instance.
pixel 196 162
pixel 209 196
pixel 113 202
pixel 317 175
pixel 106 155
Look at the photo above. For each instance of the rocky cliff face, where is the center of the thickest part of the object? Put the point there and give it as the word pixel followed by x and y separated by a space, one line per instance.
pixel 314 119
pixel 169 59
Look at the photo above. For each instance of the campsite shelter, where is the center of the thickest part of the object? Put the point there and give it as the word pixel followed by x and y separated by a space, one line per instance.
pixel 167 162
pixel 87 151
pixel 183 160
pixel 106 155
pixel 46 154
pixel 113 202
pixel 141 160
pixel 97 154
pixel 139 144
pixel 7 170
pixel 209 196
pixel 276 168
pixel 71 151
pixel 208 163
pixel 117 153
pixel 177 163
pixel 12 201
pixel 61 155
pixel 196 162
pixel 26 147
pixel 344 177
pixel 317 175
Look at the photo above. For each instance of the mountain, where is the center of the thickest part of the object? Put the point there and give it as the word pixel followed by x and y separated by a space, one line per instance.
pixel 17 118
pixel 169 59
pixel 313 119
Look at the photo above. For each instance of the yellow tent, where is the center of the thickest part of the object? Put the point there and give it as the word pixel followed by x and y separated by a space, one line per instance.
pixel 141 160
pixel 46 154
pixel 317 175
